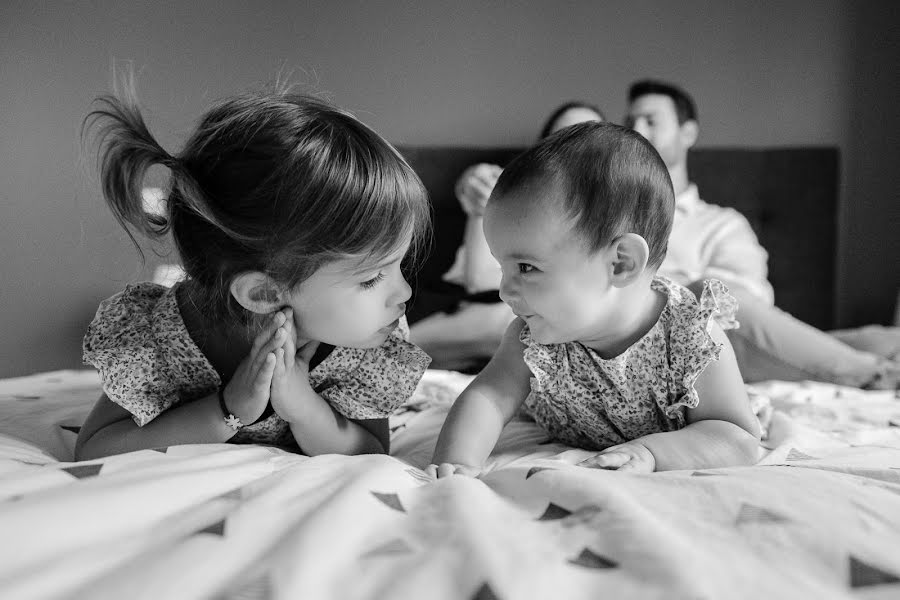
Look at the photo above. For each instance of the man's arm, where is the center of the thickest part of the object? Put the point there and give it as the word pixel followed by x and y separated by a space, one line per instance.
pixel 477 270
pixel 737 258
pixel 481 271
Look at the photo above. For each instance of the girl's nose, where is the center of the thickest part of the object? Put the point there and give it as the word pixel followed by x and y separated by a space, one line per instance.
pixel 403 291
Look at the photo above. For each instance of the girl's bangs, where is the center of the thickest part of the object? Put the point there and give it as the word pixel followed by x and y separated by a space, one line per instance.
pixel 396 206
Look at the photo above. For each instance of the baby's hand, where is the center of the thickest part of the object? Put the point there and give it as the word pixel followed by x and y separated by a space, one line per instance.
pixel 630 456
pixel 290 379
pixel 447 469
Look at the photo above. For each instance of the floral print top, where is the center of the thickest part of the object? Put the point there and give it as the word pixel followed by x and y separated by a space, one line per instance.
pixel 148 363
pixel 584 400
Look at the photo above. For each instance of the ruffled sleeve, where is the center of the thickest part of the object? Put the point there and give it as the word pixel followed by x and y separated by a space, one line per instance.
pixel 692 347
pixel 371 383
pixel 543 362
pixel 130 341
pixel 549 365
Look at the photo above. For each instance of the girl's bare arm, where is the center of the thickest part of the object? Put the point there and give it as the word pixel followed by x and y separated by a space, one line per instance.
pixel 109 428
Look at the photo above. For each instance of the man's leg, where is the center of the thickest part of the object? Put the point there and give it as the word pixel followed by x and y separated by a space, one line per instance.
pixel 771 344
pixel 464 339
pixel 877 339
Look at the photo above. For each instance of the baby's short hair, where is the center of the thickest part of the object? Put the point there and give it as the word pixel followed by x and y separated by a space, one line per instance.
pixel 614 183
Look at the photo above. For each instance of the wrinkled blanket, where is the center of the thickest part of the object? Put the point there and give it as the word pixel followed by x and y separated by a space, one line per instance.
pixel 818 517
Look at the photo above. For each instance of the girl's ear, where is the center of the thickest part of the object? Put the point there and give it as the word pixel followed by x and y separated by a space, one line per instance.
pixel 256 292
pixel 630 255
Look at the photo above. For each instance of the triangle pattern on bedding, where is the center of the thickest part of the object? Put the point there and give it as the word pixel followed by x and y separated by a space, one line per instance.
pixel 217 528
pixel 592 560
pixel 554 512
pixel 485 593
pixel 751 513
pixel 83 471
pixel 795 454
pixel 864 575
pixel 390 500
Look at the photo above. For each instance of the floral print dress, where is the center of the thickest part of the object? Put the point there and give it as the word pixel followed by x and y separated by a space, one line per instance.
pixel 148 363
pixel 584 400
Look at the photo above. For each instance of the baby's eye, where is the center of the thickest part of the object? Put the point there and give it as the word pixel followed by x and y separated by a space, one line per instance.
pixel 370 283
pixel 526 268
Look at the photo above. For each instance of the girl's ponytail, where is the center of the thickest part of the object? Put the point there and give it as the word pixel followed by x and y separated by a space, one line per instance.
pixel 127 151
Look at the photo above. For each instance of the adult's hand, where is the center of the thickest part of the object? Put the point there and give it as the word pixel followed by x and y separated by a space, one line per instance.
pixel 474 186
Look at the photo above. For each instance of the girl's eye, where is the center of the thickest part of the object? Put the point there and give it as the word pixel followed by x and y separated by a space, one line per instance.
pixel 370 283
pixel 526 268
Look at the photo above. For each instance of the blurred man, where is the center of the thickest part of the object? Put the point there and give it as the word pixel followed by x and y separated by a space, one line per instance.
pixel 710 241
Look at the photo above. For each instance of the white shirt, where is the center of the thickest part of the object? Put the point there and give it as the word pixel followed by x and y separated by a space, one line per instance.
pixel 714 242
pixel 707 242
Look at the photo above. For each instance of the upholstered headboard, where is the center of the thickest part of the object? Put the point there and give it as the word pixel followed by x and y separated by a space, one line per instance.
pixel 789 195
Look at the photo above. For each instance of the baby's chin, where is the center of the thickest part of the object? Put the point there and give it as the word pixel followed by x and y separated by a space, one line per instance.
pixel 542 334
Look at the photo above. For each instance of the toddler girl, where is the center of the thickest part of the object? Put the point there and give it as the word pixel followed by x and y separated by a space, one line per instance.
pixel 603 354
pixel 292 220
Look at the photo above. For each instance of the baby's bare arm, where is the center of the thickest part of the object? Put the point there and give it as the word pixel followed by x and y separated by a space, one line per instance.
pixel 721 431
pixel 486 405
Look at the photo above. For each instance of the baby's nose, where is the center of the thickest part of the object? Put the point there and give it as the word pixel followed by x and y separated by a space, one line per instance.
pixel 508 290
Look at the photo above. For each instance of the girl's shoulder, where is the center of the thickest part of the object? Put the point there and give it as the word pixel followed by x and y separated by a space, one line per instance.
pixel 396 351
pixel 368 383
pixel 145 356
pixel 133 314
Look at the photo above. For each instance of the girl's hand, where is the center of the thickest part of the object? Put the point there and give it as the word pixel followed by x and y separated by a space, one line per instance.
pixel 630 456
pixel 290 380
pixel 247 393
pixel 448 469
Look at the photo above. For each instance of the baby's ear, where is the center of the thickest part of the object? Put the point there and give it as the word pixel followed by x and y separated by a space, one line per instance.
pixel 256 292
pixel 630 255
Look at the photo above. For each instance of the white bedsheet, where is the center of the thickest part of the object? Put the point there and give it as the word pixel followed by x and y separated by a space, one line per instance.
pixel 819 517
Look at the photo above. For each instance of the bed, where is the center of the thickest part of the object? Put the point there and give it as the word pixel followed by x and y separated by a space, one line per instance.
pixel 818 517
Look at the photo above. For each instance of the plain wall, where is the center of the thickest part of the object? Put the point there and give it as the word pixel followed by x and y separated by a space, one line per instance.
pixel 763 74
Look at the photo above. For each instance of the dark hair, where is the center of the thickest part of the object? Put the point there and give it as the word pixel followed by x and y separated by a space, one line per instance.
pixel 614 182
pixel 276 182
pixel 684 104
pixel 547 129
